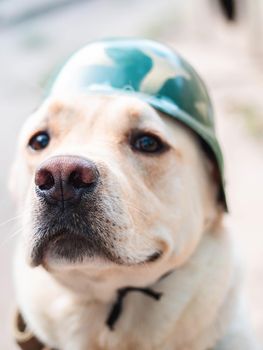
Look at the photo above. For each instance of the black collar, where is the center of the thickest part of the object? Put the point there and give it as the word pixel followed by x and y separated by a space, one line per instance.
pixel 117 306
pixel 116 309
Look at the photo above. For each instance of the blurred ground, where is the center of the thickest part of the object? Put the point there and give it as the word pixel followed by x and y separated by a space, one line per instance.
pixel 30 49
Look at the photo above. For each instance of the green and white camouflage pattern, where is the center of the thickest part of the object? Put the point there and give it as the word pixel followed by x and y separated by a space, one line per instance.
pixel 150 71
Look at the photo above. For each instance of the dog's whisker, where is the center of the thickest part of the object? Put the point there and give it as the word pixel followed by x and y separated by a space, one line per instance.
pixel 17 217
pixel 22 225
pixel 12 236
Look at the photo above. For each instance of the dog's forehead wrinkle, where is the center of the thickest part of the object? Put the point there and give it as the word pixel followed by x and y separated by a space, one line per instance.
pixel 91 114
pixel 119 110
pixel 142 114
pixel 56 107
pixel 64 120
pixel 70 110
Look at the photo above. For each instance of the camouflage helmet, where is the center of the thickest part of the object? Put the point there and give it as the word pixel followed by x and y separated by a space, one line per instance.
pixel 153 73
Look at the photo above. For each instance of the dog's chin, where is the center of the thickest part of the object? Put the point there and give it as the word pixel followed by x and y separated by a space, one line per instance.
pixel 65 249
pixel 55 261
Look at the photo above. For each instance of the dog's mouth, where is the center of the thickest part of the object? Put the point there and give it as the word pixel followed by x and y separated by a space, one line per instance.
pixel 73 248
pixel 65 246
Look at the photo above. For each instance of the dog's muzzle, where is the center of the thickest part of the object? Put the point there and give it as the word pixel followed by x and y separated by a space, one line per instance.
pixel 64 209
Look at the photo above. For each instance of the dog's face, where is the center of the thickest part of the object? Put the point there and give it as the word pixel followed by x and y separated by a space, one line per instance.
pixel 109 181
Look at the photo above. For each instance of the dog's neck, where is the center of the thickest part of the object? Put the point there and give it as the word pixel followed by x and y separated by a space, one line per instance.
pixel 117 306
pixel 102 286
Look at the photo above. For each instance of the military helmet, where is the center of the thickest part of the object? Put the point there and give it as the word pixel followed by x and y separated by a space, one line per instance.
pixel 153 73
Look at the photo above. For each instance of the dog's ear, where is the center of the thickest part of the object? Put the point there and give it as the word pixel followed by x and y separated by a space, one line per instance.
pixel 213 171
pixel 215 206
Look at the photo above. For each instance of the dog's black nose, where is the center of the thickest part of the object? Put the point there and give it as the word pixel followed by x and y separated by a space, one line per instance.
pixel 66 178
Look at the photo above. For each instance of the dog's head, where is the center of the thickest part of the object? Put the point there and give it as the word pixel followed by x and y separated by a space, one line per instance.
pixel 107 181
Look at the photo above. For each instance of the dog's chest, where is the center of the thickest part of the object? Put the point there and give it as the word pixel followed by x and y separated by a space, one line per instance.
pixel 142 324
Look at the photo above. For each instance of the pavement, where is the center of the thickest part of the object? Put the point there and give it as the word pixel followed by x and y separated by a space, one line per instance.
pixel 30 50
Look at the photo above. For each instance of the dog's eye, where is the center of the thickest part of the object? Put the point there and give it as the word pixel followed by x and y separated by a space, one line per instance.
pixel 39 141
pixel 147 144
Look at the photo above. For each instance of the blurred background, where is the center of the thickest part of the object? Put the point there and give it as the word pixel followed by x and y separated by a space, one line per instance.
pixel 224 45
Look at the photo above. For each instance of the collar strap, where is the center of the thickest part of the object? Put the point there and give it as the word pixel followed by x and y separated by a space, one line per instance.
pixel 117 307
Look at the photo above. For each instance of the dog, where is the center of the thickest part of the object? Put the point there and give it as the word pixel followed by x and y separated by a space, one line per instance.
pixel 123 244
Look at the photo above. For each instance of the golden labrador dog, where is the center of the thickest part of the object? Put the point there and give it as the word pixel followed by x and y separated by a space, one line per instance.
pixel 129 217
pixel 123 244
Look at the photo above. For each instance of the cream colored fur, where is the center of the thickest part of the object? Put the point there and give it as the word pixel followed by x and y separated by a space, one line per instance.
pixel 167 202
